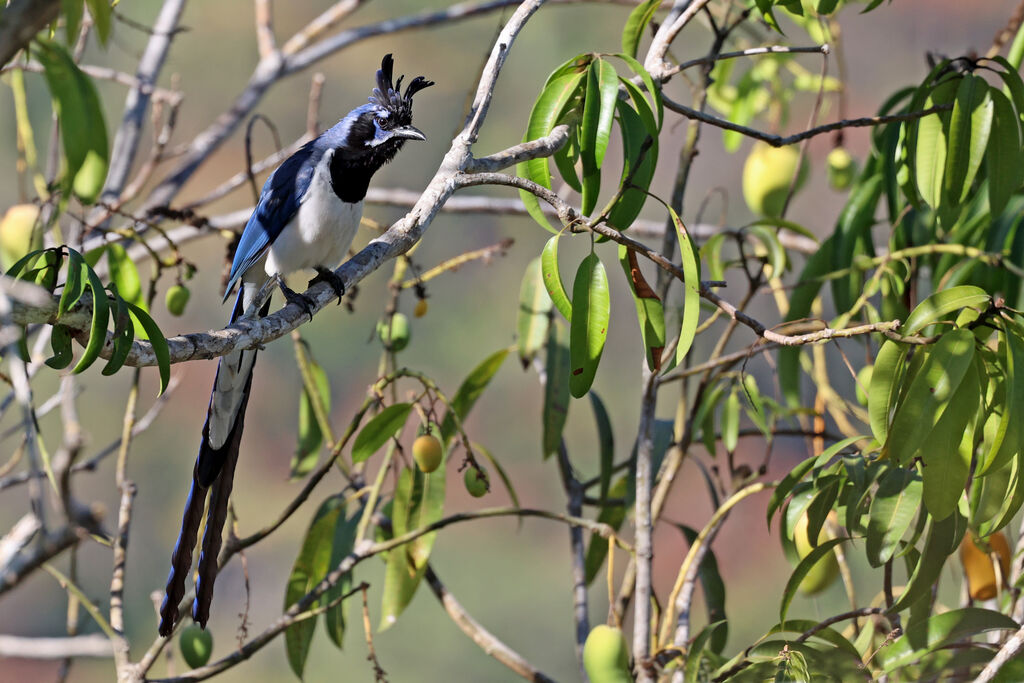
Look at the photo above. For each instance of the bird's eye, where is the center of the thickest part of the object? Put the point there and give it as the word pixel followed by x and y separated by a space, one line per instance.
pixel 381 121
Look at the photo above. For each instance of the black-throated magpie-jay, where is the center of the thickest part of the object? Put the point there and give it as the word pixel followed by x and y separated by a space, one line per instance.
pixel 306 217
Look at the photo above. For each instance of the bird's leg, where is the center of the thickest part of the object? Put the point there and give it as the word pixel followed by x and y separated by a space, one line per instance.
pixel 327 275
pixel 293 297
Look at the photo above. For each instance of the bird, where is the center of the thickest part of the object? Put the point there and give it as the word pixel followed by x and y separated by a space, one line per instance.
pixel 306 217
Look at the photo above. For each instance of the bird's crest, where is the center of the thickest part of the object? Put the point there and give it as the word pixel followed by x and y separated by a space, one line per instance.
pixel 388 94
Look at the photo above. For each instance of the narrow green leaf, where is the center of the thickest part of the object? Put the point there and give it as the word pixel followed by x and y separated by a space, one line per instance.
pixel 691 288
pixel 796 475
pixel 942 540
pixel 375 433
pixel 640 160
pixel 470 390
pixel 801 571
pixel 649 309
pixel 83 131
pixel 342 545
pixel 310 438
pixel 969 128
pixel 936 306
pixel 931 146
pixel 940 630
pixel 534 313
pixel 886 378
pixel 74 286
pixel 72 11
pixel 506 481
pixel 1011 502
pixel 800 300
pixel 98 329
pixel 400 578
pixel 638 20
pixel 893 509
pixel 608 87
pixel 311 566
pixel 123 335
pixel 947 450
pixel 428 507
pixel 929 394
pixel 556 388
pixel 1008 441
pixel 156 339
pixel 549 108
pixel 100 12
pixel 60 343
pixel 589 140
pixel 124 274
pixel 553 279
pixel 1004 160
pixel 613 514
pixel 653 91
pixel 589 325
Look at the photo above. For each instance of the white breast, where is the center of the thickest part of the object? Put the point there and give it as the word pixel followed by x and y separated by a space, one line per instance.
pixel 321 231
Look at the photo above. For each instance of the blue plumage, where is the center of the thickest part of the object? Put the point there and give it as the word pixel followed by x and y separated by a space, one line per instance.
pixel 306 216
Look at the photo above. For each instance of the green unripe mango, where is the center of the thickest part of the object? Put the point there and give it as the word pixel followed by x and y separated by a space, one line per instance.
pixel 767 174
pixel 89 179
pixel 196 645
pixel 177 298
pixel 394 333
pixel 605 656
pixel 476 481
pixel 841 169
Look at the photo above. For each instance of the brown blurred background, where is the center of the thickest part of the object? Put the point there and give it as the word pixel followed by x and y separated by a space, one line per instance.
pixel 516 581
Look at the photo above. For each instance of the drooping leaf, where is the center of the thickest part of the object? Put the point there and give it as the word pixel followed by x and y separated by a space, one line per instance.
pixel 691 288
pixel 608 87
pixel 893 509
pixel 123 335
pixel 556 388
pixel 311 566
pixel 969 128
pixel 638 20
pixel 534 312
pixel 553 278
pixel 470 390
pixel 100 12
pixel 156 339
pixel 589 139
pixel 589 325
pixel 883 390
pixel 939 630
pixel 400 578
pixel 74 286
pixel 310 438
pixel 932 142
pixel 1004 161
pixel 801 571
pixel 612 513
pixel 941 541
pixel 375 433
pixel 60 343
pixel 341 547
pixel 649 309
pixel 947 450
pixel 98 328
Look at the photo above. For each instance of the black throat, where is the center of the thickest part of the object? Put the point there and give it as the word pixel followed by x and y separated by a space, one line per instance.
pixel 350 175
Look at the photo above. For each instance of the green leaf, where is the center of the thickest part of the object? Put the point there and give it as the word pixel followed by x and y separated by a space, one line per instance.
pixel 547 111
pixel 553 279
pixel 98 328
pixel 605 443
pixel 1008 440
pixel 942 540
pixel 1011 501
pixel 589 139
pixel 800 300
pixel 589 325
pixel 969 128
pixel 470 390
pixel 801 571
pixel 1004 160
pixel 72 11
pixel 639 163
pixel 883 390
pixel 375 433
pixel 947 450
pixel 942 629
pixel 796 475
pixel 534 313
pixel 929 394
pixel 638 20
pixel 74 287
pixel 60 343
pixel 427 508
pixel 100 12
pixel 608 86
pixel 691 288
pixel 893 509
pixel 123 335
pixel 342 546
pixel 83 131
pixel 653 91
pixel 649 309
pixel 311 566
pixel 731 421
pixel 931 146
pixel 936 306
pixel 502 474
pixel 156 339
pixel 400 578
pixel 613 514
pixel 713 588
pixel 556 389
pixel 310 438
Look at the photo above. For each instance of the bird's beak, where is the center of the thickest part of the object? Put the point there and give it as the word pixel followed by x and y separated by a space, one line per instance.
pixel 409 133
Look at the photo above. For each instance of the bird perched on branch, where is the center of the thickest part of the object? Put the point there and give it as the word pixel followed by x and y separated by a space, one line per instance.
pixel 306 217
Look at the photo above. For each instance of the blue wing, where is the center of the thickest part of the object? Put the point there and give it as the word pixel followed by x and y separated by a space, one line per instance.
pixel 278 204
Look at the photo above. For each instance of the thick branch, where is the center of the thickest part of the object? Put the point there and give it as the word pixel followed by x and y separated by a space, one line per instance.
pixel 19 647
pixel 541 147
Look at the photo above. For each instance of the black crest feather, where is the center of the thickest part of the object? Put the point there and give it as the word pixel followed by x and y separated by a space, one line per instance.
pixel 388 93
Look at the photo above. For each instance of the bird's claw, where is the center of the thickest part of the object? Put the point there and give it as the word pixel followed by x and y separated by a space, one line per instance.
pixel 300 300
pixel 327 275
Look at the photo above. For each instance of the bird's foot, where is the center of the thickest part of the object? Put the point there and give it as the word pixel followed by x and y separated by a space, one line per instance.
pixel 293 297
pixel 327 275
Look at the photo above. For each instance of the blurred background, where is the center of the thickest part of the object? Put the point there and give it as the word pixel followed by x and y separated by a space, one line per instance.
pixel 514 579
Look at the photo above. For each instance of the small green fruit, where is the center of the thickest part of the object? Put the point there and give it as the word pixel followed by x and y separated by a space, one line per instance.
pixel 825 570
pixel 476 481
pixel 863 382
pixel 427 452
pixel 177 297
pixel 18 235
pixel 196 645
pixel 89 179
pixel 606 657
pixel 841 169
pixel 767 174
pixel 394 333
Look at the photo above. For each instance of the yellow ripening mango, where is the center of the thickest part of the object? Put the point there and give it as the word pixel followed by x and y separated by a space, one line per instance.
pixel 825 571
pixel 982 583
pixel 606 657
